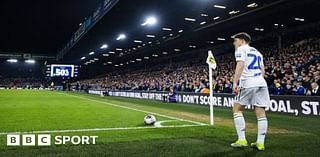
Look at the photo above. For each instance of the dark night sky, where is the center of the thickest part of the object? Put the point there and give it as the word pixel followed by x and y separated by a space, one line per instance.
pixel 40 26
pixel 45 26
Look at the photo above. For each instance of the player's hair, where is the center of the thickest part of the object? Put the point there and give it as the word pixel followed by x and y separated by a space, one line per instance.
pixel 244 36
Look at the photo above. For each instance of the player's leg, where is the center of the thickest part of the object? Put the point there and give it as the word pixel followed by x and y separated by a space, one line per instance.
pixel 238 118
pixel 262 124
pixel 239 121
pixel 240 126
pixel 262 128
pixel 262 101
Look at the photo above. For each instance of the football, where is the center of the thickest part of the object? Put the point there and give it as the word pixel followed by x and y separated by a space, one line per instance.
pixel 149 119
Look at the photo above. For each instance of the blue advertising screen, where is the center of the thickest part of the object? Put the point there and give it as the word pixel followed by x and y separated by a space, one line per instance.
pixel 58 70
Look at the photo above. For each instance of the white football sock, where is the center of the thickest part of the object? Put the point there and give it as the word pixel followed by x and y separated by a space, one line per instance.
pixel 240 125
pixel 262 129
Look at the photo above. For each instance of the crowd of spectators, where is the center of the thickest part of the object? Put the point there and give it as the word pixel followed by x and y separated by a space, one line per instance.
pixel 25 83
pixel 292 70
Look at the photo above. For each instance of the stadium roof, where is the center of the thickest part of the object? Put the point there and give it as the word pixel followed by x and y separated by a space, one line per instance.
pixel 40 26
pixel 181 25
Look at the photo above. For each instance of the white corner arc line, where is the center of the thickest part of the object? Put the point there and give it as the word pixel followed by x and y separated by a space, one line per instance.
pixel 158 123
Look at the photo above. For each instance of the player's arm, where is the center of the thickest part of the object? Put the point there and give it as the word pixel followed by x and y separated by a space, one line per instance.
pixel 240 58
pixel 237 75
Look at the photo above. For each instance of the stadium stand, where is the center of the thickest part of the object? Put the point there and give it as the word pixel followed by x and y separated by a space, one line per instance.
pixel 26 83
pixel 21 76
pixel 289 71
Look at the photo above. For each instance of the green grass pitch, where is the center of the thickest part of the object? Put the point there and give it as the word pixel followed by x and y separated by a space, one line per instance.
pixel 119 124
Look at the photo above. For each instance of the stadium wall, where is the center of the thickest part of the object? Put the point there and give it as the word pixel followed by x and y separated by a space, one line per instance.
pixel 292 105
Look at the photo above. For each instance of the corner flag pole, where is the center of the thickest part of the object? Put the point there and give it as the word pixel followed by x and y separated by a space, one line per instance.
pixel 212 65
pixel 211 96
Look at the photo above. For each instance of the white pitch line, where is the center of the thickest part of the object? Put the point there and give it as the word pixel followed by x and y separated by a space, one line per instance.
pixel 129 108
pixel 158 123
pixel 98 129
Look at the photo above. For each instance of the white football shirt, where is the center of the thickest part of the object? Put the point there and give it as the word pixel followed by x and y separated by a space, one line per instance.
pixel 252 72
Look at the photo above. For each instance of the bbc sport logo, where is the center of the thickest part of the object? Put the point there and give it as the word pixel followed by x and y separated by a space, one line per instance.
pixel 45 140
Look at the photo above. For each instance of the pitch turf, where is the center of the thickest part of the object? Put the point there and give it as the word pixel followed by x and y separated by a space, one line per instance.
pixel 180 134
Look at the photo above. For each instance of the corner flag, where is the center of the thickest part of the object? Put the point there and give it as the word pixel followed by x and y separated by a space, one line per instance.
pixel 211 60
pixel 212 66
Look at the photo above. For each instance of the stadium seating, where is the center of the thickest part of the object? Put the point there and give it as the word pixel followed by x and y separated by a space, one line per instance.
pixel 289 71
